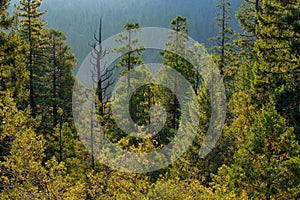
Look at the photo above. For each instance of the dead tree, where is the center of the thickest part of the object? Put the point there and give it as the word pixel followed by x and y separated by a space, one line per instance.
pixel 102 77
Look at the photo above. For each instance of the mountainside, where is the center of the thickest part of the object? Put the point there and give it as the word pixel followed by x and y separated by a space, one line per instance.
pixel 78 19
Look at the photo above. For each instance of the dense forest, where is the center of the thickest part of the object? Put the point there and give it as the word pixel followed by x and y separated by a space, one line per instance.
pixel 45 154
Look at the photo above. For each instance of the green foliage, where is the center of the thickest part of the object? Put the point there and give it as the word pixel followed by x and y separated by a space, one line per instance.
pixel 257 156
pixel 57 81
pixel 5 20
pixel 60 184
pixel 173 56
pixel 31 32
pixel 267 164
pixel 12 63
pixel 131 52
pixel 130 49
pixel 62 143
pixel 277 70
pixel 23 176
pixel 21 171
pixel 12 121
pixel 176 49
pixel 221 185
pixel 14 75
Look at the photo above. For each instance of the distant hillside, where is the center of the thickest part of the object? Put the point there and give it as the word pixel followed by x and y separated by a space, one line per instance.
pixel 78 19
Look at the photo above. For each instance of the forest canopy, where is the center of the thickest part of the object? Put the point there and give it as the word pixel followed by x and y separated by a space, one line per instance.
pixel 42 151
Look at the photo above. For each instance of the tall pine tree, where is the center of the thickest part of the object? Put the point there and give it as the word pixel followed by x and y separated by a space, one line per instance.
pixel 173 54
pixel 224 39
pixel 31 30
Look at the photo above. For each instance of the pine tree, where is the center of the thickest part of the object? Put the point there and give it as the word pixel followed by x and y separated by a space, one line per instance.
pixel 224 39
pixel 277 70
pixel 177 47
pixel 57 84
pixel 241 108
pixel 131 49
pixel 13 77
pixel 173 56
pixel 31 31
pixel 12 63
pixel 57 80
pixel 267 164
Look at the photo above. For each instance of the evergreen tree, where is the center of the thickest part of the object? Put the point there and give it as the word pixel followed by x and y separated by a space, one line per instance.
pixel 224 39
pixel 131 50
pixel 57 81
pixel 241 108
pixel 177 47
pixel 277 70
pixel 55 94
pixel 142 99
pixel 267 164
pixel 257 156
pixel 31 30
pixel 173 54
pixel 12 63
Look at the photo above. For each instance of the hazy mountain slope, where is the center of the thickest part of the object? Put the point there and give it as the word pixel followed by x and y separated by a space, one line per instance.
pixel 78 19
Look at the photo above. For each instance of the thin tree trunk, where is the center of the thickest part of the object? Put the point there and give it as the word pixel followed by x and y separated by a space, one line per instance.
pixel 31 76
pixel 60 140
pixel 54 84
pixel 223 37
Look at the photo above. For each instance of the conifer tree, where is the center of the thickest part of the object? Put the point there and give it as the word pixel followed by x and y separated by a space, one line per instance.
pixel 176 48
pixel 31 31
pixel 267 164
pixel 58 79
pixel 12 63
pixel 56 97
pixel 277 70
pixel 224 39
pixel 131 50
